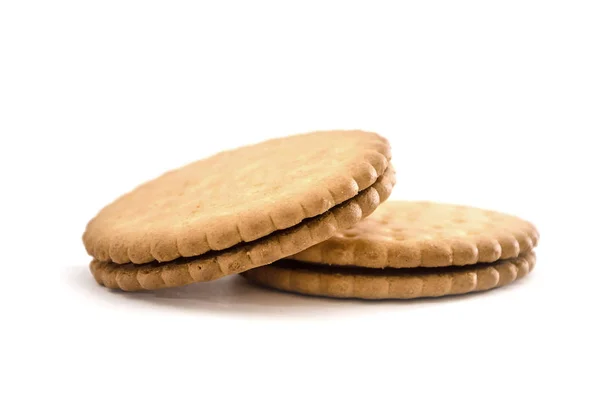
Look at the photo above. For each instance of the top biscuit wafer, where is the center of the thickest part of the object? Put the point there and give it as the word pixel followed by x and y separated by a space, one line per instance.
pixel 413 234
pixel 236 196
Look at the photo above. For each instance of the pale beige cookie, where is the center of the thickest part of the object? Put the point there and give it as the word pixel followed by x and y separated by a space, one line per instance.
pixel 415 234
pixel 237 196
pixel 277 245
pixel 408 283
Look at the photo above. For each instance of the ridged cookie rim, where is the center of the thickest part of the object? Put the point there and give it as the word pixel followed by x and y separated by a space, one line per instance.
pixel 247 256
pixel 458 281
pixel 436 253
pixel 193 241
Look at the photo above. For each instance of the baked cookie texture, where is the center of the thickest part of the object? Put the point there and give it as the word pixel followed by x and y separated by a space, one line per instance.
pixel 410 250
pixel 398 283
pixel 216 264
pixel 239 209
pixel 421 233
pixel 308 214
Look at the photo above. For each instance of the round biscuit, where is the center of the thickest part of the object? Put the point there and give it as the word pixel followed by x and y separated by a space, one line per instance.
pixel 236 196
pixel 404 234
pixel 277 245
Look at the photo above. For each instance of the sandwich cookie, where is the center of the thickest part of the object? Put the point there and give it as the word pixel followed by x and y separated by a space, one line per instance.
pixel 410 250
pixel 239 209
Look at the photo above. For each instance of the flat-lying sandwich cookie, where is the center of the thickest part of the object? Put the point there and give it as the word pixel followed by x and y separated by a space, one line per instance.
pixel 389 283
pixel 239 209
pixel 410 250
pixel 419 233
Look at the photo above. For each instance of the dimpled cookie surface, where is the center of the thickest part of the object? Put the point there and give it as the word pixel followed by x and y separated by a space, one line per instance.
pixel 236 196
pixel 413 234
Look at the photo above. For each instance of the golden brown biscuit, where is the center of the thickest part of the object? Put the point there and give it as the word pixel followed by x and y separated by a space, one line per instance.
pixel 425 234
pixel 236 196
pixel 276 245
pixel 368 283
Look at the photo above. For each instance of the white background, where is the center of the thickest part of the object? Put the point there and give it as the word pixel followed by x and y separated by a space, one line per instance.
pixel 492 104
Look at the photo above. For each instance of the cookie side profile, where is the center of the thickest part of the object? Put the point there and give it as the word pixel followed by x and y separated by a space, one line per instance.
pixel 405 234
pixel 407 283
pixel 277 245
pixel 236 196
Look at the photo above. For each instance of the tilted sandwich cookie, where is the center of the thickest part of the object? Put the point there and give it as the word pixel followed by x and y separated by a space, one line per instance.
pixel 239 209
pixel 410 250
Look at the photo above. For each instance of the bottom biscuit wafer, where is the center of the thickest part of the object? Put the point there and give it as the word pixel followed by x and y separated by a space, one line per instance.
pixel 368 283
